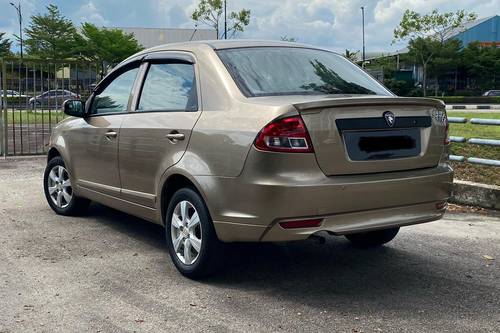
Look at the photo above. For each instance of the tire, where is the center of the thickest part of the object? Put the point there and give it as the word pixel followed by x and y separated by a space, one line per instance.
pixel 56 185
pixel 373 238
pixel 203 248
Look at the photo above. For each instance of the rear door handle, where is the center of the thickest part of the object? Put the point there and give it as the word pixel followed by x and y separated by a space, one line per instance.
pixel 175 136
pixel 111 134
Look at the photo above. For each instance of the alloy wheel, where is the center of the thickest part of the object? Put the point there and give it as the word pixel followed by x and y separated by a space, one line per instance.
pixel 59 186
pixel 186 233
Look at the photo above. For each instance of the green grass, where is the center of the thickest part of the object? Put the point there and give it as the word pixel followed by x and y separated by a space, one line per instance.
pixel 31 117
pixel 471 172
pixel 469 130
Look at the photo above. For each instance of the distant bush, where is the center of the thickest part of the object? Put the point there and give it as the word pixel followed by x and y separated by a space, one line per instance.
pixel 469 99
pixel 399 87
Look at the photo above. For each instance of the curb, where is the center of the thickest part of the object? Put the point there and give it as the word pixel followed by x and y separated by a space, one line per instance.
pixel 473 107
pixel 475 194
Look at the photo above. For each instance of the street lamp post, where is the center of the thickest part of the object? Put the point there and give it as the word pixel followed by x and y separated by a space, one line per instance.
pixel 363 23
pixel 20 15
pixel 225 19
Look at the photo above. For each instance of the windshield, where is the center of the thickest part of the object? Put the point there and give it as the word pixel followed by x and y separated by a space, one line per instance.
pixel 267 71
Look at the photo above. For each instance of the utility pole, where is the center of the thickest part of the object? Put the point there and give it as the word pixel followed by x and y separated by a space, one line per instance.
pixel 363 22
pixel 20 15
pixel 225 19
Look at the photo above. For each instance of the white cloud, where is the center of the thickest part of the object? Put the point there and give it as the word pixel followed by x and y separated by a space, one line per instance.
pixel 330 23
pixel 89 13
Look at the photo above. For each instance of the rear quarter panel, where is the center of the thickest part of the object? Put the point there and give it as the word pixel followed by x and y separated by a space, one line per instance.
pixel 226 129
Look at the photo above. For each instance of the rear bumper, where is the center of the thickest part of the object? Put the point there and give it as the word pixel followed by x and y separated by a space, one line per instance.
pixel 346 223
pixel 250 207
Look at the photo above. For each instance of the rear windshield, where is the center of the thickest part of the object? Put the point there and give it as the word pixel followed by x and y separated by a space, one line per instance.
pixel 267 71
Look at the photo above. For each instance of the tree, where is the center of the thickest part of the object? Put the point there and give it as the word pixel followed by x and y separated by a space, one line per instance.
pixel 210 12
pixel 482 65
pixel 51 35
pixel 5 45
pixel 106 46
pixel 288 39
pixel 352 55
pixel 445 62
pixel 427 33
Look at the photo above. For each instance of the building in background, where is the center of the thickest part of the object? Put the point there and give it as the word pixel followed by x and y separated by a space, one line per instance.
pixel 149 37
pixel 486 31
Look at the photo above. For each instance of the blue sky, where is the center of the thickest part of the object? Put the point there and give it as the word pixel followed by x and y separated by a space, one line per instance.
pixel 334 24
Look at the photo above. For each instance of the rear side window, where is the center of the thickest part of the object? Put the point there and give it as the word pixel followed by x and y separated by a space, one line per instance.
pixel 114 98
pixel 169 87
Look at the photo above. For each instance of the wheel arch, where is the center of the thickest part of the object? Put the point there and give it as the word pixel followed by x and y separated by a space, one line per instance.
pixel 172 182
pixel 53 152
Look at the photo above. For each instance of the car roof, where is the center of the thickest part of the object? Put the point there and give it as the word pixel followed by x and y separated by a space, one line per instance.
pixel 219 44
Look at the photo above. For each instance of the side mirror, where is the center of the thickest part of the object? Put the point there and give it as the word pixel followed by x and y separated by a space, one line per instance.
pixel 73 107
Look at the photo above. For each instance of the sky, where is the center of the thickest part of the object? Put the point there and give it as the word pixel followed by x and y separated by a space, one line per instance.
pixel 334 24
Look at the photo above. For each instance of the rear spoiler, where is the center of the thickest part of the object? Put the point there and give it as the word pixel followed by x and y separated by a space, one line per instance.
pixel 367 101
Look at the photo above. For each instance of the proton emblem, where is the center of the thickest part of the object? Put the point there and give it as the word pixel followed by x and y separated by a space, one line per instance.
pixel 390 118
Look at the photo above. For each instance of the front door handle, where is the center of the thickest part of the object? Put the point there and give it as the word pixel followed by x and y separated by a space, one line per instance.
pixel 175 136
pixel 111 134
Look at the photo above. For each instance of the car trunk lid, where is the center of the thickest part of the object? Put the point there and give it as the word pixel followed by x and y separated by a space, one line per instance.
pixel 359 135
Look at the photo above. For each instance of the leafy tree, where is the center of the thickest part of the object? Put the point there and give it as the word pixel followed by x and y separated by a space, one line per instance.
pixel 211 13
pixel 399 87
pixel 352 55
pixel 51 35
pixel 106 46
pixel 482 66
pixel 427 34
pixel 5 45
pixel 288 39
pixel 446 61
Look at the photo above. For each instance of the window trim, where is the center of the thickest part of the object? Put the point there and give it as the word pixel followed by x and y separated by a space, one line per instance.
pixel 164 57
pixel 135 63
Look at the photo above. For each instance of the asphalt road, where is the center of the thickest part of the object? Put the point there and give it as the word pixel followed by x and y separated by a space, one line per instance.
pixel 109 272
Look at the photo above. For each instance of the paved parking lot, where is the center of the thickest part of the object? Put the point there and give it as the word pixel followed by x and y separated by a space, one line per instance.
pixel 109 272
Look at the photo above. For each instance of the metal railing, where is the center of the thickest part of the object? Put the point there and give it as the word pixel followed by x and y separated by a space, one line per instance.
pixel 32 92
pixel 475 141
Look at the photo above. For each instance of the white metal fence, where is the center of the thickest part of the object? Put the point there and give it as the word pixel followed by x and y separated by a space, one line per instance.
pixel 475 141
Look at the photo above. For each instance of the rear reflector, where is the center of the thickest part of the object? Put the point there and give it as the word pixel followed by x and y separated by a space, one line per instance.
pixel 301 224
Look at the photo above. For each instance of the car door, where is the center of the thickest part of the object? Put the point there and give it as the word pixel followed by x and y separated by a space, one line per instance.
pixel 155 134
pixel 94 144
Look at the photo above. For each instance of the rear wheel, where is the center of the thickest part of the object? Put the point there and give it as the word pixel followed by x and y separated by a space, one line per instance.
pixel 373 238
pixel 191 239
pixel 59 190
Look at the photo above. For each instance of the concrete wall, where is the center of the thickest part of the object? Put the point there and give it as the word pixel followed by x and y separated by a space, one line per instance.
pixel 149 37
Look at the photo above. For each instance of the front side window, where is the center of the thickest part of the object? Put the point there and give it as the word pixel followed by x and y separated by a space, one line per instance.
pixel 169 87
pixel 114 98
pixel 268 71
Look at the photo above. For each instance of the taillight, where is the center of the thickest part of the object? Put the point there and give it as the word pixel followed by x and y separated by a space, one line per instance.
pixel 446 132
pixel 441 118
pixel 285 135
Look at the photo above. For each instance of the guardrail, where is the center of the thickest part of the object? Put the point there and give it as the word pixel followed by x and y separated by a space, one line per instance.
pixel 475 141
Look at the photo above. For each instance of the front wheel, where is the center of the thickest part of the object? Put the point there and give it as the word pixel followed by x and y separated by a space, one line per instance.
pixel 59 190
pixel 373 238
pixel 191 239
